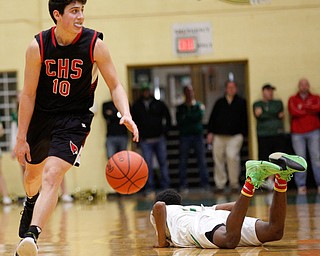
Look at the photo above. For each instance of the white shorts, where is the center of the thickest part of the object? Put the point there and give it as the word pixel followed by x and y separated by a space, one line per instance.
pixel 207 220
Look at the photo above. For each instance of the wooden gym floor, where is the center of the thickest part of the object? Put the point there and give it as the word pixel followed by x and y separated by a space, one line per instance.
pixel 120 226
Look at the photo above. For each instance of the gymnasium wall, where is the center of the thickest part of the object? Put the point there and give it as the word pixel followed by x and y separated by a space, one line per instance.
pixel 279 40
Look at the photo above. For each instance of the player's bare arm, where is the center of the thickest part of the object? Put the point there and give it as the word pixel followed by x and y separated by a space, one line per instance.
pixel 160 217
pixel 225 206
pixel 220 238
pixel 119 96
pixel 27 100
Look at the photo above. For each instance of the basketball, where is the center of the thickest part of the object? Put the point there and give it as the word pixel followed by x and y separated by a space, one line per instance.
pixel 127 172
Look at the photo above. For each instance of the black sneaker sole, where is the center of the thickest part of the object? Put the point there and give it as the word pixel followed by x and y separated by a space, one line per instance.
pixel 284 162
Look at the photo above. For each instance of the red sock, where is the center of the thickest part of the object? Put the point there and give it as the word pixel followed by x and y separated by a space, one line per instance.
pixel 280 185
pixel 248 188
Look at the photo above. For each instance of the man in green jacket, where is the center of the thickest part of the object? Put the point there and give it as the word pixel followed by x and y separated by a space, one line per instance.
pixel 270 130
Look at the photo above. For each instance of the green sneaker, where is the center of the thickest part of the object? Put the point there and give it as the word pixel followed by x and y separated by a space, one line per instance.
pixel 289 164
pixel 258 171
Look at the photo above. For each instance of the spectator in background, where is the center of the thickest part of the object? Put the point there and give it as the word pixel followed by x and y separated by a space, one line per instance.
pixel 304 109
pixel 6 200
pixel 189 117
pixel 117 135
pixel 226 129
pixel 65 196
pixel 153 119
pixel 270 129
pixel 3 186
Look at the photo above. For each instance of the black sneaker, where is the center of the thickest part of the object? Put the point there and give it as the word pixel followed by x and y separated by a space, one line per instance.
pixel 26 217
pixel 289 164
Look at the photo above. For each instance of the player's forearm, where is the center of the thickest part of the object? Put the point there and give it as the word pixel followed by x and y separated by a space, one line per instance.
pixel 225 206
pixel 120 99
pixel 160 216
pixel 25 113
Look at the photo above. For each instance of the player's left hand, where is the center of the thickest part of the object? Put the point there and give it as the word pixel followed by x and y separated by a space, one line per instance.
pixel 131 126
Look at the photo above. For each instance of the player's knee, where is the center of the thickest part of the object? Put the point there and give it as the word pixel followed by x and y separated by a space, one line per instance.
pixel 52 176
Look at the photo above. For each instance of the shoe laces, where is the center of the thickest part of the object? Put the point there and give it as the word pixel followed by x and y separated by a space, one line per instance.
pixel 286 176
pixel 289 177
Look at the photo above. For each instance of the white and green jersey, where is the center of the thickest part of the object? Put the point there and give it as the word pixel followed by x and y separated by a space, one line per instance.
pixel 187 225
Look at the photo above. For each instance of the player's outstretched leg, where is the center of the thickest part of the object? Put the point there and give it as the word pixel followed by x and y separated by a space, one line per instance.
pixel 229 236
pixel 273 230
pixel 289 164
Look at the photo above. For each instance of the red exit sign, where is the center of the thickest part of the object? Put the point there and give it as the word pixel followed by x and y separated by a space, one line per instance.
pixel 186 45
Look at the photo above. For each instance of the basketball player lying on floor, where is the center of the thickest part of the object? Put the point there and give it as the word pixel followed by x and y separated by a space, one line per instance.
pixel 226 225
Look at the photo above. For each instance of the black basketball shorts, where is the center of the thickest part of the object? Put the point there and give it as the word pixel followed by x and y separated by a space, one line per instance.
pixel 61 135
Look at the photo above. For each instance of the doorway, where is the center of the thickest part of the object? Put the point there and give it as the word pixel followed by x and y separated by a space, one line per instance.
pixel 208 80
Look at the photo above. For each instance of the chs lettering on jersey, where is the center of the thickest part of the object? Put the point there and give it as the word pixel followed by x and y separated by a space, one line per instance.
pixel 69 74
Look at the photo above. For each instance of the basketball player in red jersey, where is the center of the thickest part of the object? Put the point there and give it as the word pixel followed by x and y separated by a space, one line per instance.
pixel 54 116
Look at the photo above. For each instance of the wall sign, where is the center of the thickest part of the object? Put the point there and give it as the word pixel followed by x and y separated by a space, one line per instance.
pixel 192 38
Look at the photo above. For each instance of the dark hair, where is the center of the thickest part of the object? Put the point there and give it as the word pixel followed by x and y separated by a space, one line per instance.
pixel 60 5
pixel 169 197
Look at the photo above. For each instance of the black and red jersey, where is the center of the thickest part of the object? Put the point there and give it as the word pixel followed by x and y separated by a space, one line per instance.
pixel 69 74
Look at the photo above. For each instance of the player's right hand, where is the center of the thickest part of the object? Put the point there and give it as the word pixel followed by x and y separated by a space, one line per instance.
pixel 22 151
